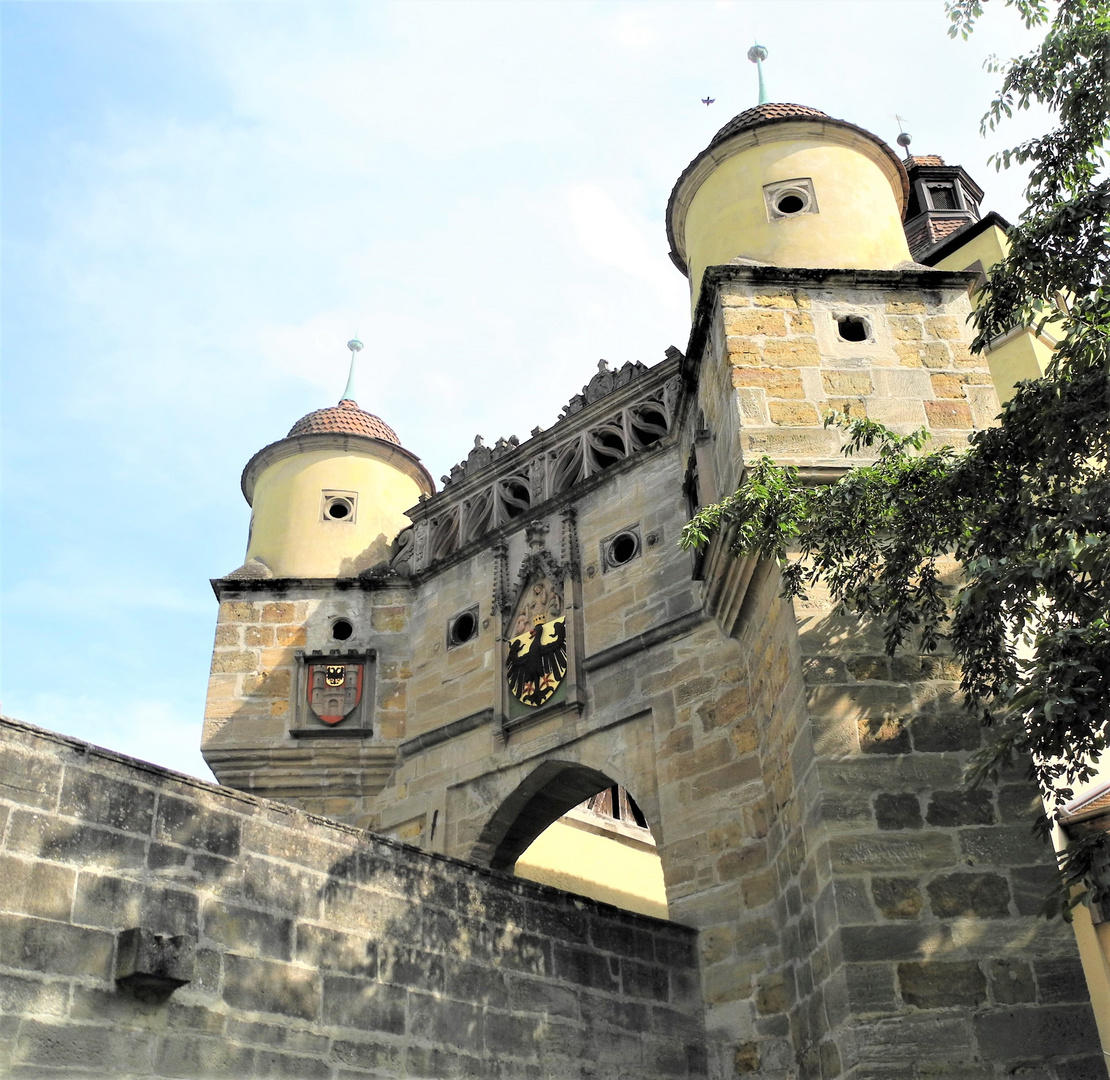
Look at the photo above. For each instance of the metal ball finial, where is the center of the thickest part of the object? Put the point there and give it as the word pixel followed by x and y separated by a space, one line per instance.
pixel 757 53
pixel 354 345
pixel 904 140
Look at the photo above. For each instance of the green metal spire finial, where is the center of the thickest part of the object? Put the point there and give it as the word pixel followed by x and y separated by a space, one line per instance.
pixel 757 54
pixel 356 347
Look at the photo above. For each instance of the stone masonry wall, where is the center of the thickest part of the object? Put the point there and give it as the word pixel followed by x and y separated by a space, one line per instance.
pixel 905 907
pixel 780 363
pixel 934 957
pixel 320 951
pixel 260 628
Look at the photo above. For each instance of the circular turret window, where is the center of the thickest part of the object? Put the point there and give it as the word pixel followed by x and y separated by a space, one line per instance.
pixel 789 198
pixel 623 548
pixel 338 506
pixel 341 629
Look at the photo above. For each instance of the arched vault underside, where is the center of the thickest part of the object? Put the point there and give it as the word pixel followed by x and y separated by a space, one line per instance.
pixel 543 797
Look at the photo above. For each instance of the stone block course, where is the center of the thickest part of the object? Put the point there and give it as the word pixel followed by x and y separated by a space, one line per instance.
pixel 336 954
pixel 939 984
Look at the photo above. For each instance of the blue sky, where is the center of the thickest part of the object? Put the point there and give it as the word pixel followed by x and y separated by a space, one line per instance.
pixel 201 202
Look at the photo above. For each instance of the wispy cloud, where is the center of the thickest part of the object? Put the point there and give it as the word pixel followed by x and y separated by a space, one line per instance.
pixel 204 201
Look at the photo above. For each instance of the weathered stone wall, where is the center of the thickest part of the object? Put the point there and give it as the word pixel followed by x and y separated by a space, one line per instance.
pixel 904 912
pixel 859 914
pixel 455 694
pixel 261 627
pixel 778 363
pixel 320 951
pixel 929 952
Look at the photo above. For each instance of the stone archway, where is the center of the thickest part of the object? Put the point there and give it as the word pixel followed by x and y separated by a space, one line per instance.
pixel 575 828
pixel 547 793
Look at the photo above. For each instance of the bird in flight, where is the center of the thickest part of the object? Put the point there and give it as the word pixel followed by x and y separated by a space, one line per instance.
pixel 707 101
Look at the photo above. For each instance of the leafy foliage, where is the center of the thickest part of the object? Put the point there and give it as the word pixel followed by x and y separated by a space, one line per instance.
pixel 1025 510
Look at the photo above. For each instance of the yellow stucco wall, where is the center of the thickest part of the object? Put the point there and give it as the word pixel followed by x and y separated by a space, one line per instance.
pixel 584 859
pixel 1094 952
pixel 986 248
pixel 291 536
pixel 859 223
pixel 1024 356
pixel 1020 356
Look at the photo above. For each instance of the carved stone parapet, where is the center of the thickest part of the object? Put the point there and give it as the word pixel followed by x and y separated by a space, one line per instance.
pixel 621 413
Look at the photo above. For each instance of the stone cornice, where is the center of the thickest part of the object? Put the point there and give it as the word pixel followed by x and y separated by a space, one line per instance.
pixel 245 588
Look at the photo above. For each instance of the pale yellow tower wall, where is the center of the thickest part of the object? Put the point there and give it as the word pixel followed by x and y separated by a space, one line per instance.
pixel 580 857
pixel 290 532
pixel 1023 355
pixel 724 215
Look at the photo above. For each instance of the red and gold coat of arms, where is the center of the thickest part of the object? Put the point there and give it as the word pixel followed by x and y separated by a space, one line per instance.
pixel 334 690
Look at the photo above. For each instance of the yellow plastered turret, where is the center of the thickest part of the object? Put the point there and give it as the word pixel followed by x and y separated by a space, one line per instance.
pixel 787 185
pixel 329 500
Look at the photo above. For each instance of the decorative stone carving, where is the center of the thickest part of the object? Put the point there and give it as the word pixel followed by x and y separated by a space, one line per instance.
pixel 518 482
pixel 400 562
pixel 153 965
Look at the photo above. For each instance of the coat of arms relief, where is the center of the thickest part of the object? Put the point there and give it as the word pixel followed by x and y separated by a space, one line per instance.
pixel 536 664
pixel 538 635
pixel 334 690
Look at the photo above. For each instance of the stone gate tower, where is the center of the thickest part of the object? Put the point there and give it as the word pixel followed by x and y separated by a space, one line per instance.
pixel 530 634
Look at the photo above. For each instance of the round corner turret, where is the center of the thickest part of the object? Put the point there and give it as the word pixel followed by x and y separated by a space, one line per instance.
pixel 788 185
pixel 328 500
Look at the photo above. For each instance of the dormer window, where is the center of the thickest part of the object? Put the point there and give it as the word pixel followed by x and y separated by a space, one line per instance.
pixel 942 197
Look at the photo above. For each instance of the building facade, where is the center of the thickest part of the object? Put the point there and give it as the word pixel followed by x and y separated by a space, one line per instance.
pixel 415 693
pixel 459 669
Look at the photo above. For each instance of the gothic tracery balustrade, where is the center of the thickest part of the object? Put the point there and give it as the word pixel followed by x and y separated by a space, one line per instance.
pixel 619 413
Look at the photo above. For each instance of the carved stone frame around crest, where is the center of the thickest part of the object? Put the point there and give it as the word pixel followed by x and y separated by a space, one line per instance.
pixel 540 563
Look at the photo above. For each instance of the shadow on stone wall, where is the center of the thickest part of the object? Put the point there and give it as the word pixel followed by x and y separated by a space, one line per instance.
pixel 320 951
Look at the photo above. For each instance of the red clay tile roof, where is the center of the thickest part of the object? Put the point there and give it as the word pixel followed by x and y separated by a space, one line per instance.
pixel 347 418
pixel 761 114
pixel 947 226
pixel 924 159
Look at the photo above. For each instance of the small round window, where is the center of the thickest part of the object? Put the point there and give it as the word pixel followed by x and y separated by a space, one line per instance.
pixel 463 628
pixel 789 198
pixel 853 328
pixel 342 629
pixel 339 508
pixel 624 547
pixel 790 202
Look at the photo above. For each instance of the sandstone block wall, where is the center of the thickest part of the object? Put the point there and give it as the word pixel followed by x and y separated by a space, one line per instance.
pixel 252 691
pixel 779 363
pixel 918 948
pixel 319 951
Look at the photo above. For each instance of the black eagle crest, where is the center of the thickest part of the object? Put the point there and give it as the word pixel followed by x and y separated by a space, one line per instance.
pixel 534 673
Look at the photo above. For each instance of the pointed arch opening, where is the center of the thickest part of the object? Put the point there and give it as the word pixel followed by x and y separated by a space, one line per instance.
pixel 577 829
